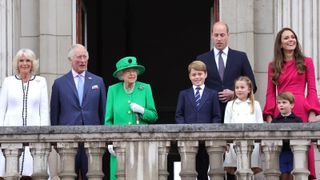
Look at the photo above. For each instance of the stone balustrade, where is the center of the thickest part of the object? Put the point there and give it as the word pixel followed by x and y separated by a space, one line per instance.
pixel 142 150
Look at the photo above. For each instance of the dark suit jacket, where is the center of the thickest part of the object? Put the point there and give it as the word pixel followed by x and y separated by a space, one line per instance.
pixel 208 111
pixel 65 105
pixel 237 65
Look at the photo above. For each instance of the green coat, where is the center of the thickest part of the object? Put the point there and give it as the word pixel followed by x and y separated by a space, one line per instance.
pixel 119 112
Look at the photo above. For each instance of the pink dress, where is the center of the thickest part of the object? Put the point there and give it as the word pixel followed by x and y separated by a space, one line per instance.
pixel 290 80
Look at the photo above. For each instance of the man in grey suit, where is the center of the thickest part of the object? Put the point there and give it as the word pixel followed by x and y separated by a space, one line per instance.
pixel 78 98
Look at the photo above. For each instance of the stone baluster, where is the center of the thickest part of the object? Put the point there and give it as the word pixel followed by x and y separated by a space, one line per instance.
pixel 216 150
pixel 271 150
pixel 40 152
pixel 67 152
pixel 163 151
pixel 94 151
pixel 120 150
pixel 300 149
pixel 188 151
pixel 12 153
pixel 244 149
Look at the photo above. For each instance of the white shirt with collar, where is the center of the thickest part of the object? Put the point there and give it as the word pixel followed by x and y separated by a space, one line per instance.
pixel 76 77
pixel 224 55
pixel 200 91
pixel 238 111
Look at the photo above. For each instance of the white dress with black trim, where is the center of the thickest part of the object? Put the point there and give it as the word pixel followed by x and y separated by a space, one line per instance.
pixel 23 104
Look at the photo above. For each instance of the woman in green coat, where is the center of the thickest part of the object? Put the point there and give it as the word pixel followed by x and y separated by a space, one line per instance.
pixel 129 101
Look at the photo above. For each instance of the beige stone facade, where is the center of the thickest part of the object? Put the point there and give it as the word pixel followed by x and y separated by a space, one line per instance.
pixel 48 28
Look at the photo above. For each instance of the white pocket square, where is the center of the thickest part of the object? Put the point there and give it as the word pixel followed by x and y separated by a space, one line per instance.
pixel 95 87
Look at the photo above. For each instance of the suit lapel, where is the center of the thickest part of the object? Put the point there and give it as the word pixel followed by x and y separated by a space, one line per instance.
pixel 87 85
pixel 228 64
pixel 191 97
pixel 216 71
pixel 214 65
pixel 71 84
pixel 204 97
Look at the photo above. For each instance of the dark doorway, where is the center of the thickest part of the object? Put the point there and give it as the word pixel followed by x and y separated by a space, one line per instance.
pixel 165 36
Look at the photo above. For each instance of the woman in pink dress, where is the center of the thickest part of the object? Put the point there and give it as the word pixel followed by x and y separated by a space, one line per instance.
pixel 291 71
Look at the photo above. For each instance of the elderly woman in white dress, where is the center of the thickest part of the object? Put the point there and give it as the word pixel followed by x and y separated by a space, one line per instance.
pixel 24 102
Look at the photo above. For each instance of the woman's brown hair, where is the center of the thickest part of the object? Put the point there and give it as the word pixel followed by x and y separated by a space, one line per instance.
pixel 279 56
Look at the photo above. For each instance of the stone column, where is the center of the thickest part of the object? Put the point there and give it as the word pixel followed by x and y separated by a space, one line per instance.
pixel 243 149
pixel 120 150
pixel 67 152
pixel 163 150
pixel 300 149
pixel 94 151
pixel 188 151
pixel 12 153
pixel 216 149
pixel 271 150
pixel 40 152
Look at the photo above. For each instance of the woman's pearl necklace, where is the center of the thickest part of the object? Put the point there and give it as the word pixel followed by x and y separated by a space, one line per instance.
pixel 128 90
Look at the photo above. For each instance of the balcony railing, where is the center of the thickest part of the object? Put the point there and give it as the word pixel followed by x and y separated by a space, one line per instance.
pixel 142 150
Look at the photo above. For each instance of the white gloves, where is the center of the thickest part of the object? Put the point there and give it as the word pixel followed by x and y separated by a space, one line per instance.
pixel 137 108
pixel 110 149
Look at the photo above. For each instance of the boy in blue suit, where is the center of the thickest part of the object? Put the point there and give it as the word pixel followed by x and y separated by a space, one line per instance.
pixel 198 104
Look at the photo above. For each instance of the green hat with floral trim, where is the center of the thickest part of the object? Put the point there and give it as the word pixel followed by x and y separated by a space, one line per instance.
pixel 128 62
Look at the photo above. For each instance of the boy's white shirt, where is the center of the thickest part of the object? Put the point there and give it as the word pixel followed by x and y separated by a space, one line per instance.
pixel 200 91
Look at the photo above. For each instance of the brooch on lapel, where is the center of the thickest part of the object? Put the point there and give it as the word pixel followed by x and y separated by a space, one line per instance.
pixel 95 87
pixel 141 88
pixel 89 77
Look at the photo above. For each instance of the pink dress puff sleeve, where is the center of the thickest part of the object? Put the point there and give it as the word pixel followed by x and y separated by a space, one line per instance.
pixel 270 104
pixel 312 101
pixel 302 86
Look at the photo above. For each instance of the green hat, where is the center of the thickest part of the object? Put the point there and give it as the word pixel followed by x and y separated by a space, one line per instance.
pixel 128 62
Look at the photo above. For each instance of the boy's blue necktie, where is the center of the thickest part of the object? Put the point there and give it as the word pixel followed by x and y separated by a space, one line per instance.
pixel 197 96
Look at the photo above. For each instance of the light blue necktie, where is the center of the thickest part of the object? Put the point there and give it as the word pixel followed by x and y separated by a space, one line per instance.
pixel 80 88
pixel 197 96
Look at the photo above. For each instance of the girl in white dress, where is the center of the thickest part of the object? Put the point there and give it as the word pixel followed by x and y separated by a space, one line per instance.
pixel 243 109
pixel 24 102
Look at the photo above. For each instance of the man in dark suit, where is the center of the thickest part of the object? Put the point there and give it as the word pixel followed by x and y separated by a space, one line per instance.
pixel 78 98
pixel 224 66
pixel 198 104
pixel 235 63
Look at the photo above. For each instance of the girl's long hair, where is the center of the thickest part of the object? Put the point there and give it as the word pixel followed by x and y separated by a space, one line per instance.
pixel 250 95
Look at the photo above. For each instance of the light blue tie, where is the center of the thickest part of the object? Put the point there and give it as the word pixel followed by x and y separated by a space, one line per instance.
pixel 197 96
pixel 80 88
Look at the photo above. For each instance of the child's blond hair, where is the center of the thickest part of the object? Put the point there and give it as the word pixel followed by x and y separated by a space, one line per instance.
pixel 250 95
pixel 198 66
